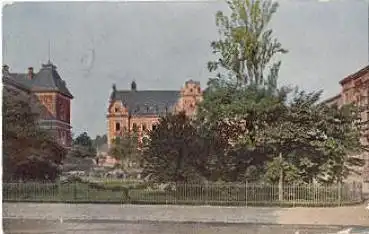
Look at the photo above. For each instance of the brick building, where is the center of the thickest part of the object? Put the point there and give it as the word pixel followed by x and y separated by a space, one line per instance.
pixel 141 109
pixel 355 89
pixel 49 90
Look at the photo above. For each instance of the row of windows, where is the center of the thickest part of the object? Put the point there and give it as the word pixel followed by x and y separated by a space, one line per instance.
pixel 118 127
pixel 198 90
pixel 148 109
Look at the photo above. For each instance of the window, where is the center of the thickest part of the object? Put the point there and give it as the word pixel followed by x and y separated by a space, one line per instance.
pixel 191 90
pixel 134 127
pixel 116 109
pixel 144 127
pixel 117 126
pixel 198 89
pixel 154 127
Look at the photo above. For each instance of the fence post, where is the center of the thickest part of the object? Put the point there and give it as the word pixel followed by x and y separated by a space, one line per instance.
pixel 246 187
pixel 75 191
pixel 339 187
pixel 59 191
pixel 206 194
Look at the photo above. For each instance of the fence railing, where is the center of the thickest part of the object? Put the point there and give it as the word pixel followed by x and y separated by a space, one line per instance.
pixel 194 194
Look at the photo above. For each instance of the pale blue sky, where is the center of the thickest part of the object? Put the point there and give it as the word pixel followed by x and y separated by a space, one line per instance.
pixel 161 45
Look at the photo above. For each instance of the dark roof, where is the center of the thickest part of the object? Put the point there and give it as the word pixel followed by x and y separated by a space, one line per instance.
pixel 47 79
pixel 18 80
pixel 147 102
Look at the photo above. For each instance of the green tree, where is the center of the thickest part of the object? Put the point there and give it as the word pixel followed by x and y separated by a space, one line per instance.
pixel 308 141
pixel 99 141
pixel 83 146
pixel 242 96
pixel 246 45
pixel 29 151
pixel 174 151
pixel 126 150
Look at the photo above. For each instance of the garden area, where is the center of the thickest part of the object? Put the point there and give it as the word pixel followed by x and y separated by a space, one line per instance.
pixel 227 194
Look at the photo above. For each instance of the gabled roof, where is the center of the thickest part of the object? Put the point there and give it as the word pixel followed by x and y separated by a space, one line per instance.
pixel 47 79
pixel 355 75
pixel 147 102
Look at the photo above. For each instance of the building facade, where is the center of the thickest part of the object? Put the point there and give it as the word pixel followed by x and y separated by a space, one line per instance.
pixel 141 109
pixel 49 91
pixel 355 90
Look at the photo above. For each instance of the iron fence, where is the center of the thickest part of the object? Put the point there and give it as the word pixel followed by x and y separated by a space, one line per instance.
pixel 193 194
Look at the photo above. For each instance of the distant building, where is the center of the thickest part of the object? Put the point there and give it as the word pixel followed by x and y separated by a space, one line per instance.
pixel 48 89
pixel 355 90
pixel 141 109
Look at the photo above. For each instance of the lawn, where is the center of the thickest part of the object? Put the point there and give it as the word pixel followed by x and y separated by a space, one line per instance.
pixel 139 193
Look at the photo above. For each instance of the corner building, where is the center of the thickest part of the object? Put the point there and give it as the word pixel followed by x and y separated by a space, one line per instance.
pixel 355 90
pixel 142 109
pixel 49 91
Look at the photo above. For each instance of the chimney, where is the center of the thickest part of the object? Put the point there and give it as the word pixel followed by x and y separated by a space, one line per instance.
pixel 5 69
pixel 30 73
pixel 133 86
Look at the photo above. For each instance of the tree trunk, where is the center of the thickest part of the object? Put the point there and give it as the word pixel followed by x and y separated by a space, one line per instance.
pixel 280 182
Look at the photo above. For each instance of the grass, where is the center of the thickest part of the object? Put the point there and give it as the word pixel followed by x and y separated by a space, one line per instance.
pixel 135 193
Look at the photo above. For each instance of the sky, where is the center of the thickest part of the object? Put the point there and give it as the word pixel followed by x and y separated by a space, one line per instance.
pixel 160 45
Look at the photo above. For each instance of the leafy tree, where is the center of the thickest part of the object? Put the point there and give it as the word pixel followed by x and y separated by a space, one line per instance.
pixel 174 151
pixel 257 128
pixel 29 151
pixel 100 141
pixel 242 96
pixel 126 149
pixel 83 146
pixel 308 141
pixel 246 45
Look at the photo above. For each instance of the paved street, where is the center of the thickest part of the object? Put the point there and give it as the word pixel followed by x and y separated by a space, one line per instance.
pixel 99 227
pixel 345 216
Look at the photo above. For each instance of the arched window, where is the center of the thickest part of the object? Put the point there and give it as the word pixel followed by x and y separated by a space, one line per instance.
pixel 134 127
pixel 117 126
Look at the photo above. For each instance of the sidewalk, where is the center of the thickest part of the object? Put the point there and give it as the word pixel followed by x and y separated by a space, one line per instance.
pixel 352 215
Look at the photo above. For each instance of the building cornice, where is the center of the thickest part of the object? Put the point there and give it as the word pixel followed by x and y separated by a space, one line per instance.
pixel 355 75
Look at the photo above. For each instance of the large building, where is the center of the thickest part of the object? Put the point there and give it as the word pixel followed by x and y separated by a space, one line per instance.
pixel 355 90
pixel 48 89
pixel 141 109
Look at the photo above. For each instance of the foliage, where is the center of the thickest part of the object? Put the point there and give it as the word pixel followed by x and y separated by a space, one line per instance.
pixel 174 151
pixel 83 146
pixel 99 141
pixel 246 45
pixel 240 99
pixel 311 141
pixel 30 153
pixel 260 132
pixel 126 149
